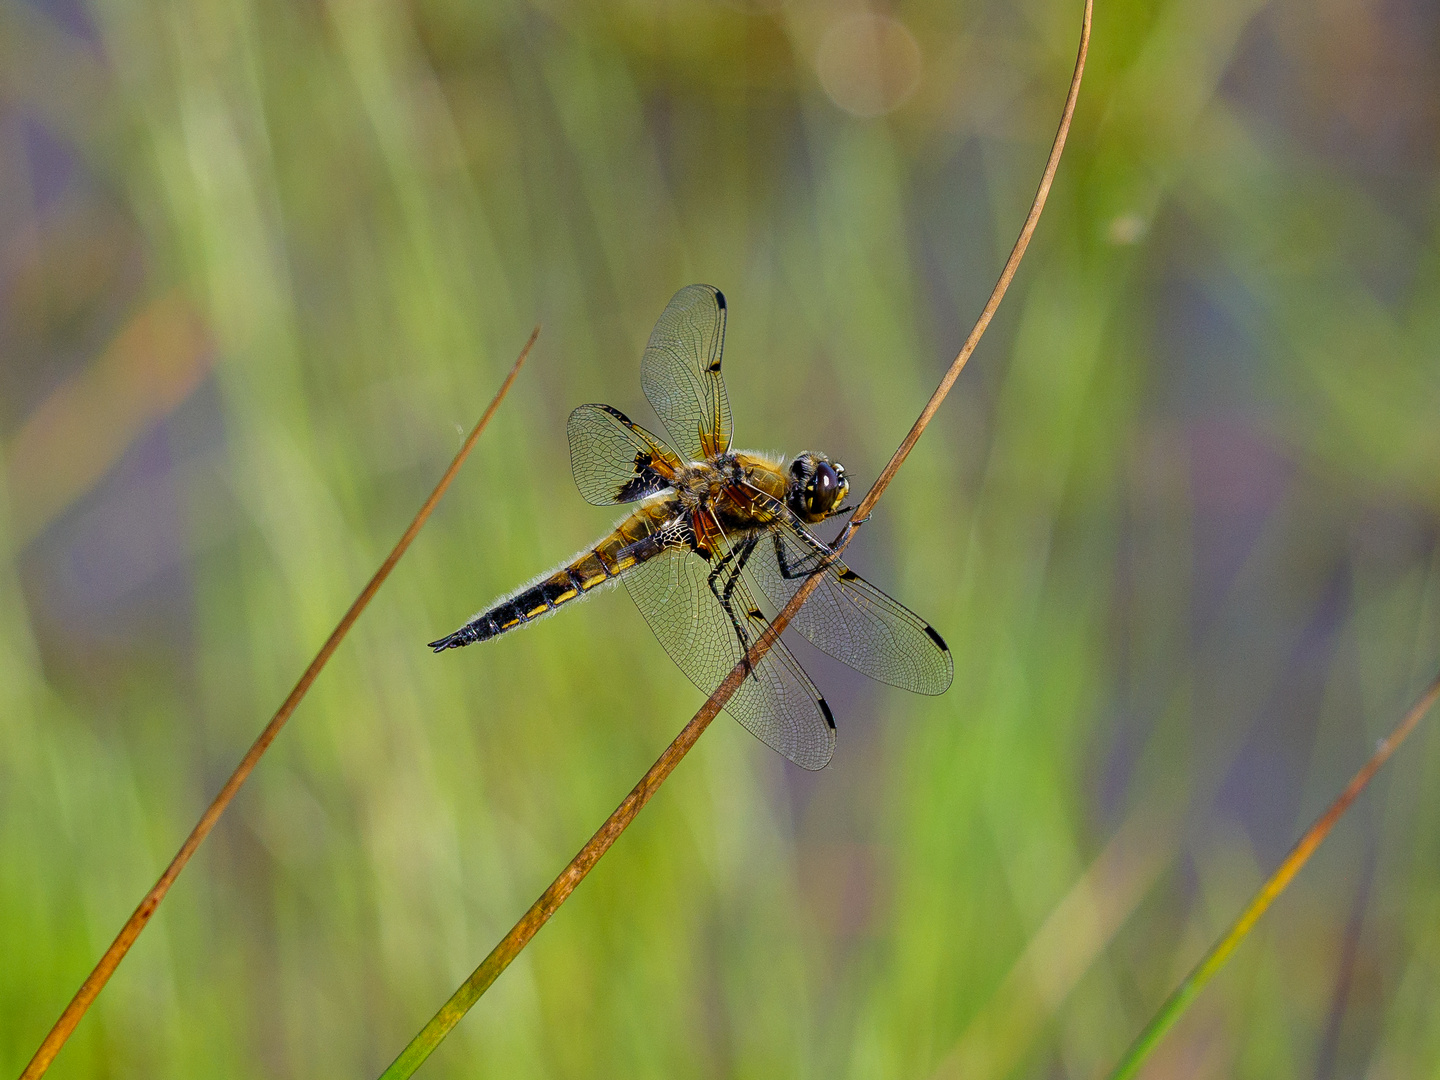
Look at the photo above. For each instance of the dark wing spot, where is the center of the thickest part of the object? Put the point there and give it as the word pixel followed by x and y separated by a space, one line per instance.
pixel 930 630
pixel 720 303
pixel 829 716
pixel 646 480
pixel 849 575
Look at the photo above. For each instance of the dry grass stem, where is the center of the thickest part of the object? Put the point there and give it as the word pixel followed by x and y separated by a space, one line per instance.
pixel 133 927
pixel 1220 952
pixel 430 1036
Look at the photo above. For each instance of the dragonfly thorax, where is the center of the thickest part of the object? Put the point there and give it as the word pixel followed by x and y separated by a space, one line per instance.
pixel 701 484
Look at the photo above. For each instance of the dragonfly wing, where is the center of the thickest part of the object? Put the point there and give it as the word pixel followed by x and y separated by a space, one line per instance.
pixel 848 617
pixel 614 459
pixel 777 702
pixel 680 372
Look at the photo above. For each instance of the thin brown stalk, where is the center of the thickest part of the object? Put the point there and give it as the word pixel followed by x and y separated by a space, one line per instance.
pixel 1180 999
pixel 991 306
pixel 512 943
pixel 97 978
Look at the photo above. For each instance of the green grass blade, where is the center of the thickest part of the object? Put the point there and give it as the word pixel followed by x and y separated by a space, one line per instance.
pixel 1219 953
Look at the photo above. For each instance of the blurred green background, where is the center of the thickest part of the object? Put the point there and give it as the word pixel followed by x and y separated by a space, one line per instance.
pixel 260 264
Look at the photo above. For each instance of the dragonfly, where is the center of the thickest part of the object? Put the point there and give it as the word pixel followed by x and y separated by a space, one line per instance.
pixel 712 528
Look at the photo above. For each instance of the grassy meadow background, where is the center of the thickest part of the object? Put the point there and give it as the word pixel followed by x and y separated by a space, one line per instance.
pixel 260 264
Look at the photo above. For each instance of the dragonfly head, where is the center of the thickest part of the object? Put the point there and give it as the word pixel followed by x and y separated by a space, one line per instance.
pixel 817 486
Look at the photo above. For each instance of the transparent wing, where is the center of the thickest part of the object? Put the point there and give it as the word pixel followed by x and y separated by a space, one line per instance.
pixel 849 618
pixel 777 702
pixel 680 372
pixel 615 460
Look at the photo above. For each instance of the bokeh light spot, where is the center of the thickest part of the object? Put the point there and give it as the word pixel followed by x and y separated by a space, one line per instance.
pixel 868 64
pixel 1126 229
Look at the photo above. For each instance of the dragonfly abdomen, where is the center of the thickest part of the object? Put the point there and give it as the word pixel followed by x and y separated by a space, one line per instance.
pixel 639 537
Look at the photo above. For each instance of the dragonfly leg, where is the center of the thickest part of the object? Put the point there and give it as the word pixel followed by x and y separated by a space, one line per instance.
pixel 740 556
pixel 719 568
pixel 790 573
pixel 744 551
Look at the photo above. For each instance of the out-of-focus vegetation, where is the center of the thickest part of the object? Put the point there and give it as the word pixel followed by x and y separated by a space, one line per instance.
pixel 260 262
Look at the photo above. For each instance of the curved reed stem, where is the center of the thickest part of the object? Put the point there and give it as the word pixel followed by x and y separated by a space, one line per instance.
pixel 431 1035
pixel 96 980
pixel 1220 952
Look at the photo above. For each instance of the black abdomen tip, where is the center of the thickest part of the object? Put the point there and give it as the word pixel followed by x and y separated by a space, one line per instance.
pixel 464 636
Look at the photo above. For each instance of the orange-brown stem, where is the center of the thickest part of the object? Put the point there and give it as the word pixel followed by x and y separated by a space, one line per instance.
pixel 1299 855
pixel 512 943
pixel 97 978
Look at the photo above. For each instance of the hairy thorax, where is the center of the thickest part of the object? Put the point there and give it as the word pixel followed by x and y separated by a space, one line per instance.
pixel 740 489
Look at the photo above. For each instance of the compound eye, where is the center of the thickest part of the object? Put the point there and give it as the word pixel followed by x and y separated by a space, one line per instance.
pixel 827 487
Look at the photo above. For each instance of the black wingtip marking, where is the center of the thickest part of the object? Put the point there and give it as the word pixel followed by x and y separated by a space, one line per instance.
pixel 849 575
pixel 829 716
pixel 936 638
pixel 719 299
